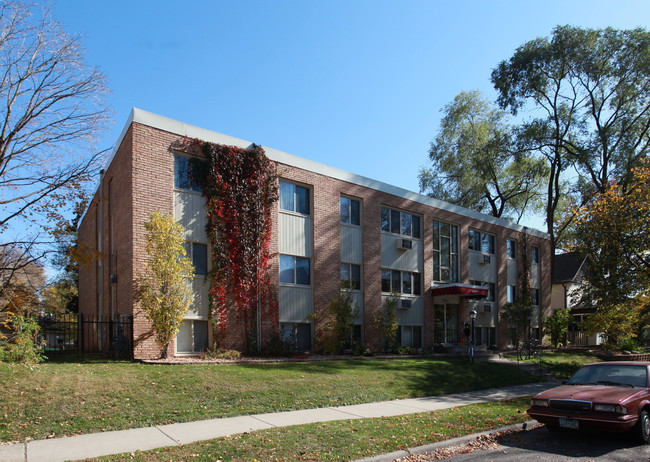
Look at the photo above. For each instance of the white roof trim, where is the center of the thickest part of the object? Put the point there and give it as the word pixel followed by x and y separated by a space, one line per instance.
pixel 173 126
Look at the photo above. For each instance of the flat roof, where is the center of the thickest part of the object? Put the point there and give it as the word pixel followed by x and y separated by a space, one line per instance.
pixel 191 131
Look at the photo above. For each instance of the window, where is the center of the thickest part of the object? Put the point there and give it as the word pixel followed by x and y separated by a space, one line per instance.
pixel 410 336
pixel 192 336
pixel 294 198
pixel 511 247
pixel 350 211
pixel 490 286
pixel 481 241
pixel 185 174
pixel 445 252
pixel 511 294
pixel 534 254
pixel 350 276
pixel 401 282
pixel 198 253
pixel 396 222
pixel 534 296
pixel 297 335
pixel 295 270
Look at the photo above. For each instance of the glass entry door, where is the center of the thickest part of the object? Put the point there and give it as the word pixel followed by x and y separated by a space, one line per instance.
pixel 446 323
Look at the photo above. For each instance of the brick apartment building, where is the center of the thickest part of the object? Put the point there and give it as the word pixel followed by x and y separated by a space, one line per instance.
pixel 328 225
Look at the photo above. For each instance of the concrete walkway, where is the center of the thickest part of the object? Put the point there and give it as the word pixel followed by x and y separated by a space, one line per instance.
pixel 101 444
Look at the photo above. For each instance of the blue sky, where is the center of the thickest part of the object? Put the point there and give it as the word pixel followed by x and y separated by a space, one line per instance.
pixel 357 85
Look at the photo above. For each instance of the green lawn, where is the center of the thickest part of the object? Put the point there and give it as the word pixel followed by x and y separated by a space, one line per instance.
pixel 346 439
pixel 563 363
pixel 56 399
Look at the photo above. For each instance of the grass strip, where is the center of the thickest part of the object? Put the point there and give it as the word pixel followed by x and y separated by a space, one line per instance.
pixel 344 440
pixel 56 399
pixel 562 363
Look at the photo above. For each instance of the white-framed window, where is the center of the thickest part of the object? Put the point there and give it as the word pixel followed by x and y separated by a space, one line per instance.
pixel 402 223
pixel 401 282
pixel 295 270
pixel 511 294
pixel 482 242
pixel 294 198
pixel 490 286
pixel 185 174
pixel 198 253
pixel 445 252
pixel 296 334
pixel 350 211
pixel 192 337
pixel 410 336
pixel 511 249
pixel 534 254
pixel 351 276
pixel 534 296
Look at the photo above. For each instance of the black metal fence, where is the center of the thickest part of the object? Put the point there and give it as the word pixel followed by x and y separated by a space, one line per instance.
pixel 80 334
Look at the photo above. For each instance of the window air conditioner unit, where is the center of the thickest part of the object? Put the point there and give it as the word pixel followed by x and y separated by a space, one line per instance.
pixel 405 304
pixel 404 244
pixel 484 259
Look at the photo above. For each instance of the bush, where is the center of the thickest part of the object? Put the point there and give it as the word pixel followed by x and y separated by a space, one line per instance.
pixel 221 353
pixel 24 343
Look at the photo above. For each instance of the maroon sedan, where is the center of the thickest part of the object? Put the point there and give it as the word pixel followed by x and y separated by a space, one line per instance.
pixel 612 397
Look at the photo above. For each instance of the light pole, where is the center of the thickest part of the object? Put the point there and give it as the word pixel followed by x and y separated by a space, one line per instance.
pixel 472 316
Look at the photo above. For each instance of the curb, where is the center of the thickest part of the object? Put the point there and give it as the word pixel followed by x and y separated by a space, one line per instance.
pixel 458 441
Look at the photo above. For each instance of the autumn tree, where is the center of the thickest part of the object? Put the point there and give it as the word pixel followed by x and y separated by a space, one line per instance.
pixel 613 231
pixel 52 108
pixel 473 163
pixel 165 291
pixel 588 91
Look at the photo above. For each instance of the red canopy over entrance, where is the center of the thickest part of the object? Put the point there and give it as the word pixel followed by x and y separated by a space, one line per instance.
pixel 462 290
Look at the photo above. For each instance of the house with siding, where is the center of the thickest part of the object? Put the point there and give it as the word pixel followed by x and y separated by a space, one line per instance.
pixel 328 226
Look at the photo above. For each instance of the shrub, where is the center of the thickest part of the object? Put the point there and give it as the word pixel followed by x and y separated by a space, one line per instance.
pixel 24 344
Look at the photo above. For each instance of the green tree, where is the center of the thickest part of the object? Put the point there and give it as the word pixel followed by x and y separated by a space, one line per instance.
pixel 166 292
pixel 589 93
pixel 473 163
pixel 613 231
pixel 337 328
pixel 387 322
pixel 557 324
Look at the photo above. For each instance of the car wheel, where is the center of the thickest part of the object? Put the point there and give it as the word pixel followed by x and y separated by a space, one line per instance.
pixel 642 429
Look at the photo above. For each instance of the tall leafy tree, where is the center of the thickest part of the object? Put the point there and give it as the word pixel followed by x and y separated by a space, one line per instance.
pixel 473 163
pixel 589 93
pixel 165 291
pixel 613 231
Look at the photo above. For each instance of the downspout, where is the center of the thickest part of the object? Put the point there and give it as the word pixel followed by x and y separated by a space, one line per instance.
pixel 100 245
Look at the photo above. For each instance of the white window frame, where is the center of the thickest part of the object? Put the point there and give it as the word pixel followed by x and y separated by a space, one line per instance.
pixel 295 266
pixel 350 200
pixel 401 213
pixel 453 256
pixel 294 186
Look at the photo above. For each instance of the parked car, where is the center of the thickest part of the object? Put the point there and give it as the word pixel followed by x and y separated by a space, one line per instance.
pixel 612 397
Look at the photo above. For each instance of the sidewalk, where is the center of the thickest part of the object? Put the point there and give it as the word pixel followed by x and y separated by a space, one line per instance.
pixel 115 442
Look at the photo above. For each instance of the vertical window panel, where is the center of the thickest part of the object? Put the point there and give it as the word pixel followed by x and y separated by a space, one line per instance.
pixel 355 212
pixel 345 210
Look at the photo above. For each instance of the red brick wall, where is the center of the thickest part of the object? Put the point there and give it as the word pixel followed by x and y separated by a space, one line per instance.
pixel 143 173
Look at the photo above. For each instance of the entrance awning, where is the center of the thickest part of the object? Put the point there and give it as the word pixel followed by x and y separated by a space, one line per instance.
pixel 462 290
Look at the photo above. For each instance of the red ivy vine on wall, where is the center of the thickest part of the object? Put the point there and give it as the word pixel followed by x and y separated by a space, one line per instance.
pixel 241 187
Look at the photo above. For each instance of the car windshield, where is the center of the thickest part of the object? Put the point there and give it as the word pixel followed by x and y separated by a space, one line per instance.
pixel 611 374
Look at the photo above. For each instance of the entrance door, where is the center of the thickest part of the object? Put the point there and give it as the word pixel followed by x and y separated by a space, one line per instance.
pixel 446 325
